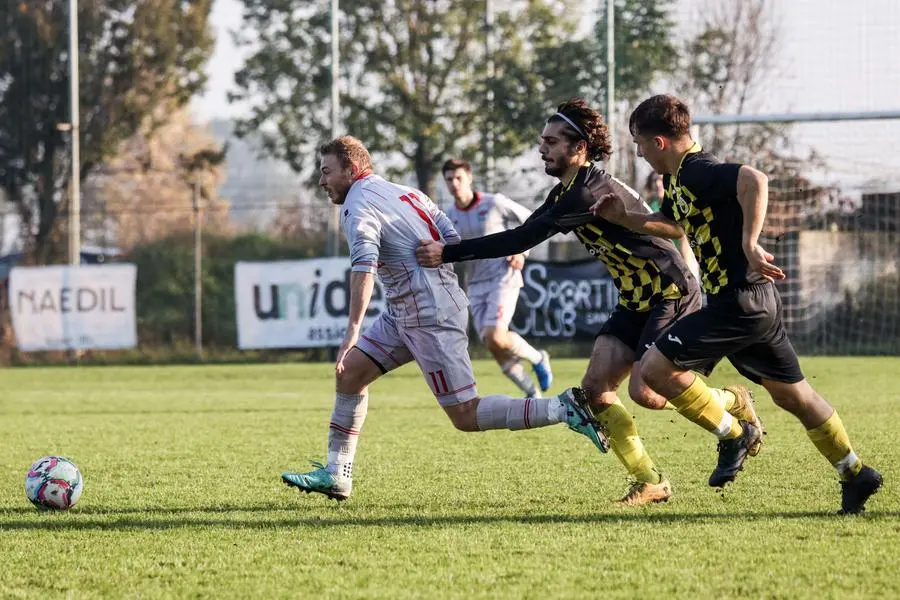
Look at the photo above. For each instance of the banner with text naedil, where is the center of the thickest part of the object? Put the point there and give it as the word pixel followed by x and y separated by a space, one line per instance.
pixel 73 307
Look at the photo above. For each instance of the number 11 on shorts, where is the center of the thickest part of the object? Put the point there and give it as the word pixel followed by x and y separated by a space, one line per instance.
pixel 439 384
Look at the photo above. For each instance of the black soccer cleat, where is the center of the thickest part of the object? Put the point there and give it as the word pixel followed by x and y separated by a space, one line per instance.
pixel 858 489
pixel 732 454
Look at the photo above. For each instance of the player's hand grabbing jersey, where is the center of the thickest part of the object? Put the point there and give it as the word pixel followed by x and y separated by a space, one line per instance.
pixel 645 269
pixel 383 223
pixel 488 214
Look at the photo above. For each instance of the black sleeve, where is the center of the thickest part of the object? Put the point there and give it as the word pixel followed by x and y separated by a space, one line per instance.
pixel 536 229
pixel 710 181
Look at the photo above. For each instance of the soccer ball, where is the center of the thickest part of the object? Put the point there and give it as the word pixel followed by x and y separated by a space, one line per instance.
pixel 54 482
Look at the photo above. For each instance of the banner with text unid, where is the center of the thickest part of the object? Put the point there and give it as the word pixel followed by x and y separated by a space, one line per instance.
pixel 73 307
pixel 295 303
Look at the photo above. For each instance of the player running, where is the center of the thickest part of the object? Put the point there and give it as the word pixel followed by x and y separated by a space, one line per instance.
pixel 494 283
pixel 721 207
pixel 655 286
pixel 425 321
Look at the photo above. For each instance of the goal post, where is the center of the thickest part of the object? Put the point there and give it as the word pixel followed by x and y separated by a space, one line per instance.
pixel 835 230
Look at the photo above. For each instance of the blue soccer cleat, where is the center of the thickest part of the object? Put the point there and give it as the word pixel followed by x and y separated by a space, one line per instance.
pixel 580 420
pixel 543 372
pixel 320 481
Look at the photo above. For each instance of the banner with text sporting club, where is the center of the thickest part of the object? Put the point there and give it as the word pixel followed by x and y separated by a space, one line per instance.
pixel 83 307
pixel 564 300
pixel 295 303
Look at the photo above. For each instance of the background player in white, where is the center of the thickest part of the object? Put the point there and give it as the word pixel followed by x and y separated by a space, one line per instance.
pixel 425 320
pixel 494 283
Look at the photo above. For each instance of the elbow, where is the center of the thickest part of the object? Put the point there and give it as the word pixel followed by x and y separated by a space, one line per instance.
pixel 752 179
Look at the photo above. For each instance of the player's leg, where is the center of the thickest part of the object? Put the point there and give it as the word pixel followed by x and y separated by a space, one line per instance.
pixel 508 347
pixel 442 354
pixel 492 312
pixel 610 362
pixel 736 399
pixel 378 351
pixel 655 322
pixel 773 363
pixel 498 341
pixel 695 343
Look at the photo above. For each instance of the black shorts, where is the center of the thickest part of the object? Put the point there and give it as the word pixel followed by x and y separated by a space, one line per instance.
pixel 746 326
pixel 638 330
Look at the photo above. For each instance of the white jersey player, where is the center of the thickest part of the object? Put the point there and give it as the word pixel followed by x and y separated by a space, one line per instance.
pixel 425 320
pixel 494 283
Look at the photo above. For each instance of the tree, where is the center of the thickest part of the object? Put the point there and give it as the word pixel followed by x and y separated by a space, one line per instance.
pixel 414 78
pixel 644 49
pixel 725 67
pixel 145 192
pixel 134 59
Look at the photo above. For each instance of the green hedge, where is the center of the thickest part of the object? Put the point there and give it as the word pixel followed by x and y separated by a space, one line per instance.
pixel 165 284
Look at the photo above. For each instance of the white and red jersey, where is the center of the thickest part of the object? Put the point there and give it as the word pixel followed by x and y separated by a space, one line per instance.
pixel 383 223
pixel 485 215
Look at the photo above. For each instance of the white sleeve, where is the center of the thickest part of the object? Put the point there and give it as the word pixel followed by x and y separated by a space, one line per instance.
pixel 514 214
pixel 363 230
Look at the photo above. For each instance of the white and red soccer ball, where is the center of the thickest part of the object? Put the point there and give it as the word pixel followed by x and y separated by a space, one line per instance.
pixel 54 482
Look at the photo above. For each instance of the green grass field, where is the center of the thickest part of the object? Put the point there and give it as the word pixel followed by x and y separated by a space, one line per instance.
pixel 183 496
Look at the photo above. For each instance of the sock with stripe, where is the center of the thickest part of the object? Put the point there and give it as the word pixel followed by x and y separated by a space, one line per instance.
pixel 343 433
pixel 504 412
pixel 723 397
pixel 626 443
pixel 831 440
pixel 516 373
pixel 522 349
pixel 697 404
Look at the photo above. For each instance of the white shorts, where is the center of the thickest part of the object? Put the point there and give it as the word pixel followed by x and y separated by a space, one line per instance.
pixel 441 351
pixel 492 306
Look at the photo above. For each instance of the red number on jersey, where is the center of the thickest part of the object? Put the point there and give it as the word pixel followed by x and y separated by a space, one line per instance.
pixel 435 234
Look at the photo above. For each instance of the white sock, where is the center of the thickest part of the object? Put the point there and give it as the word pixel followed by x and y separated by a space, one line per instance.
pixel 516 373
pixel 524 350
pixel 503 412
pixel 343 432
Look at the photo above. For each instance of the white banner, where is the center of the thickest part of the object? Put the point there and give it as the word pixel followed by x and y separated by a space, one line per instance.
pixel 63 307
pixel 295 303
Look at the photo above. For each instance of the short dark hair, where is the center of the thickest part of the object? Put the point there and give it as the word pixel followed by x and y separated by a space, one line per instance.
pixel 593 129
pixel 349 152
pixel 661 115
pixel 453 164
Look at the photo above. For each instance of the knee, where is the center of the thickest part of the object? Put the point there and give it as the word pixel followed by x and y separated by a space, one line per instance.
pixel 348 381
pixel 494 340
pixel 795 401
pixel 467 425
pixel 464 416
pixel 654 371
pixel 642 395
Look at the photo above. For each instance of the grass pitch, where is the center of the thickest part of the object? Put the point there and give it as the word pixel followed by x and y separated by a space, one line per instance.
pixel 183 496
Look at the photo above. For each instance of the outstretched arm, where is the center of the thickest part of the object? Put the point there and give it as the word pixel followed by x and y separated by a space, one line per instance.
pixel 506 243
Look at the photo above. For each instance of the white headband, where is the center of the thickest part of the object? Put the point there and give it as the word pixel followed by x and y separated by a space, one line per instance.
pixel 574 126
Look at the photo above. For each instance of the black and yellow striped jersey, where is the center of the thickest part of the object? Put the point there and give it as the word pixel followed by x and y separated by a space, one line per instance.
pixel 646 270
pixel 702 198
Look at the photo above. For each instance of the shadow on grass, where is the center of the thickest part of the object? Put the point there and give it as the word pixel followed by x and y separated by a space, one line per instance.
pixel 88 520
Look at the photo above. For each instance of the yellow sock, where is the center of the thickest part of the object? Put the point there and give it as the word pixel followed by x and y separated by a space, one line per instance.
pixel 698 405
pixel 724 397
pixel 831 440
pixel 626 443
